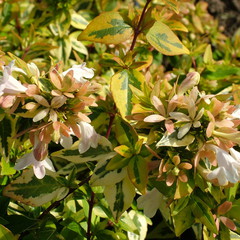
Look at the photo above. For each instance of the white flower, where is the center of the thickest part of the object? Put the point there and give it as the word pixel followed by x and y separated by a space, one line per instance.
pixel 29 159
pixel 8 84
pixel 89 137
pixel 80 72
pixel 228 169
pixel 38 166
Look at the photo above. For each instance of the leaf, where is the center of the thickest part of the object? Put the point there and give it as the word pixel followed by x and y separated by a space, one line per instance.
pixel 78 21
pixel 224 208
pixel 161 37
pixel 119 196
pixel 173 4
pixel 77 45
pixel 172 141
pixel 107 5
pixel 176 25
pixel 183 220
pixel 234 211
pixel 125 133
pixel 204 215
pixel 123 150
pixel 180 205
pixel 138 172
pixel 6 234
pixel 106 234
pixel 102 177
pixel 117 162
pixel 121 91
pixel 183 189
pixel 102 151
pixel 33 191
pixel 108 28
pixel 7 167
pixel 5 134
pixel 207 57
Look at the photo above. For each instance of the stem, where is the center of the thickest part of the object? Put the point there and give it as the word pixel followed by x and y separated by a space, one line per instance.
pixel 112 116
pixel 91 204
pixel 57 203
pixel 137 31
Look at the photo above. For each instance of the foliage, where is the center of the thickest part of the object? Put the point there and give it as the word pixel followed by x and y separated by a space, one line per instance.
pixel 119 120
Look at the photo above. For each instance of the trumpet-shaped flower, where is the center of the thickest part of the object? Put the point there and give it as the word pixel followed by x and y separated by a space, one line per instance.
pixel 228 169
pixel 31 159
pixel 8 84
pixel 80 72
pixel 38 166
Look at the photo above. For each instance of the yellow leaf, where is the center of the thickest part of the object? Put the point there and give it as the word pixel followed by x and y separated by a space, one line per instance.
pixel 172 4
pixel 161 37
pixel 176 25
pixel 108 28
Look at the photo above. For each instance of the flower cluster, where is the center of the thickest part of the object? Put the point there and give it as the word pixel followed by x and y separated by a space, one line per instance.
pixel 191 131
pixel 57 103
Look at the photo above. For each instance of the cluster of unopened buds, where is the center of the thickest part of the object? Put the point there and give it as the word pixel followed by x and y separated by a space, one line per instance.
pixel 57 104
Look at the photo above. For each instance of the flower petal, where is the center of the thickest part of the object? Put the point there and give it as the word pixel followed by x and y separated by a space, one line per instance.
pixel 66 142
pixel 40 115
pixel 154 118
pixel 24 161
pixel 39 171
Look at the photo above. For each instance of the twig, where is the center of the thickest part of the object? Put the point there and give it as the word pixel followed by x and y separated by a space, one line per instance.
pixel 89 222
pixel 112 116
pixel 57 203
pixel 137 31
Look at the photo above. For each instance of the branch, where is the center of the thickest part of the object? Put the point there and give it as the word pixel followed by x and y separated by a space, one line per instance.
pixel 91 204
pixel 57 203
pixel 137 31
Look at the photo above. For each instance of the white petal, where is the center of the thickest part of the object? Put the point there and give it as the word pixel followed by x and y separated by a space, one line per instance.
pixel 184 130
pixel 235 154
pixel 24 161
pixel 154 118
pixel 66 142
pixel 88 137
pixel 47 163
pixel 219 174
pixel 40 115
pixel 39 171
pixel 12 86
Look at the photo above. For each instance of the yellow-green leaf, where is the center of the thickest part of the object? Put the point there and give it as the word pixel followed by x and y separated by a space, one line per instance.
pixel 78 21
pixel 138 172
pixel 108 28
pixel 121 91
pixel 176 25
pixel 123 150
pixel 208 57
pixel 173 4
pixel 35 192
pixel 6 234
pixel 161 37
pixel 119 196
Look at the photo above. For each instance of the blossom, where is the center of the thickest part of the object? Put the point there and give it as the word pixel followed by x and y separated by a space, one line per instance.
pixel 38 166
pixel 80 72
pixel 228 169
pixel 37 158
pixel 8 84
pixel 89 137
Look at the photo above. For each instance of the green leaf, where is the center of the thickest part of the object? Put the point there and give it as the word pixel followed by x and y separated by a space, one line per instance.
pixel 117 162
pixel 108 28
pixel 138 172
pixel 161 37
pixel 6 234
pixel 171 140
pixel 5 134
pixel 106 234
pixel 121 91
pixel 106 5
pixel 233 213
pixel 119 196
pixel 124 151
pixel 203 214
pixel 125 133
pixel 7 167
pixel 183 220
pixel 180 205
pixel 101 176
pixel 173 4
pixel 102 151
pixel 33 191
pixel 218 72
pixel 183 188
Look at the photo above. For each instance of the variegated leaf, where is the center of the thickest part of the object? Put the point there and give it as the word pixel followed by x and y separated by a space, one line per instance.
pixel 102 177
pixel 108 28
pixel 119 196
pixel 33 191
pixel 172 140
pixel 102 151
pixel 161 37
